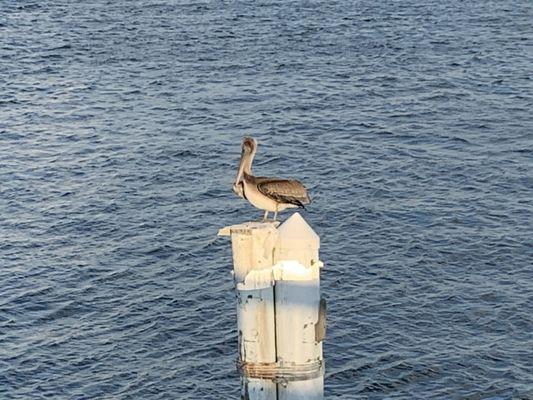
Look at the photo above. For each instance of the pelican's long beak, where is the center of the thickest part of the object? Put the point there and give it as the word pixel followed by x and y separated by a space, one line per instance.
pixel 240 170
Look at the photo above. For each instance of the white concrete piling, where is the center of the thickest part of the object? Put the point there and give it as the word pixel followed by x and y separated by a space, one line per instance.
pixel 280 316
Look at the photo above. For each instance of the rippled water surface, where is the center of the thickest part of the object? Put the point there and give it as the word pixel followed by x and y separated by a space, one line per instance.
pixel 120 123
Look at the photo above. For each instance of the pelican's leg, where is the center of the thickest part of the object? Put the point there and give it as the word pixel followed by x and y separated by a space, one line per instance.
pixel 276 213
pixel 265 217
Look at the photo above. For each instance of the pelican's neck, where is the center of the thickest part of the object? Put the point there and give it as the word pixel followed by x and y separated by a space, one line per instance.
pixel 245 166
pixel 248 159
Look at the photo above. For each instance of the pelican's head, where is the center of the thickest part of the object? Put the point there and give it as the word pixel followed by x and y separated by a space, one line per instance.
pixel 249 145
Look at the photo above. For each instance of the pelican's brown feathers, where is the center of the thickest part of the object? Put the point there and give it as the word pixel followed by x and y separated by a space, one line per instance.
pixel 288 191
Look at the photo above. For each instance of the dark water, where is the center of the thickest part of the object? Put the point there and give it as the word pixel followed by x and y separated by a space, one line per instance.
pixel 120 122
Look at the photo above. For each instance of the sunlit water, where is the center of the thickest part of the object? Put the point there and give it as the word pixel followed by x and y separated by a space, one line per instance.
pixel 120 123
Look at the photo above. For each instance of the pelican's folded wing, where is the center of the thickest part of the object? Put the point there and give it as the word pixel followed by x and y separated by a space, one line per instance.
pixel 284 191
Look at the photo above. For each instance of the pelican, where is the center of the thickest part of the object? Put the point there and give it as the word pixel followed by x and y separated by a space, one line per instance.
pixel 269 194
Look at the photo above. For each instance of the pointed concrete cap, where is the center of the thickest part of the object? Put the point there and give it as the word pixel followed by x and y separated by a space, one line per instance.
pixel 297 229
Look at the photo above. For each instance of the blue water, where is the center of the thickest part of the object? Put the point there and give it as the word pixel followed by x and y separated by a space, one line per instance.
pixel 120 123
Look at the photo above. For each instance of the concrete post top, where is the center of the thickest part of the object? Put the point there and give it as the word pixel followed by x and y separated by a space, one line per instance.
pixel 247 226
pixel 294 228
pixel 297 229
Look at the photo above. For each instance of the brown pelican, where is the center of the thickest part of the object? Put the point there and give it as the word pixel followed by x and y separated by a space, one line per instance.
pixel 269 194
